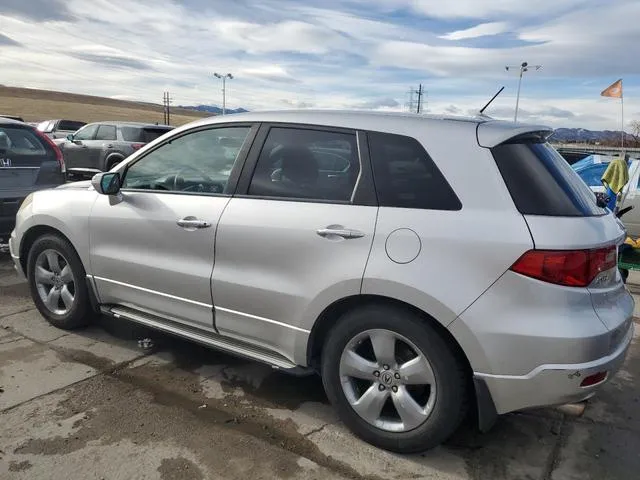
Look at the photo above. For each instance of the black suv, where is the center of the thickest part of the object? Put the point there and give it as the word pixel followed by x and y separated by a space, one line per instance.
pixel 29 161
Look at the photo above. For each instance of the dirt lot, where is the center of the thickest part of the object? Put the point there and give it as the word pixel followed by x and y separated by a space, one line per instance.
pixel 35 105
pixel 94 405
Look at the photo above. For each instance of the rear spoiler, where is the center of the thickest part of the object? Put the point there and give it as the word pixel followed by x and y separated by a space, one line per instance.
pixel 493 133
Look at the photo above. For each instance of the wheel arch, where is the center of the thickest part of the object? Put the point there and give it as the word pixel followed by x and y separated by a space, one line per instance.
pixel 484 413
pixel 31 235
pixel 110 157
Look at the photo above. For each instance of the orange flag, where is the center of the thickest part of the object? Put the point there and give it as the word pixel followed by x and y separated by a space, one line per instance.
pixel 613 90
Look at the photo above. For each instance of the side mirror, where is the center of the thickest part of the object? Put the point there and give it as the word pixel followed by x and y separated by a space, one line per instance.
pixel 106 183
pixel 70 137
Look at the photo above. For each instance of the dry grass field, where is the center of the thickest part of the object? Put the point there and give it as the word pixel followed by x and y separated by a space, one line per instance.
pixel 35 105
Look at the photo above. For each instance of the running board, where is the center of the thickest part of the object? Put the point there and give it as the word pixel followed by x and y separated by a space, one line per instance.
pixel 226 344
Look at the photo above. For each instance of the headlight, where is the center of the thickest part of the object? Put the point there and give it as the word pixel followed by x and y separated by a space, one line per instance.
pixel 26 202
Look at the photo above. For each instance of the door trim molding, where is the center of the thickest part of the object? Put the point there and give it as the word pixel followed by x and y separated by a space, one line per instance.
pixel 154 292
pixel 262 319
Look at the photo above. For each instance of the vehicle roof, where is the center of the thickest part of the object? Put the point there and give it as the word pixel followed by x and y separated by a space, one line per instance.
pixel 122 123
pixel 494 131
pixel 10 121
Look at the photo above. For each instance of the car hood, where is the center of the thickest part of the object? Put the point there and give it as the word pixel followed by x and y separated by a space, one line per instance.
pixel 82 185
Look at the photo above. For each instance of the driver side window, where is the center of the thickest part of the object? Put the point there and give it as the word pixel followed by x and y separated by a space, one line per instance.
pixel 198 162
pixel 86 133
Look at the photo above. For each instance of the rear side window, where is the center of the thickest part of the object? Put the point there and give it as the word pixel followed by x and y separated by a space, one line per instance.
pixel 541 182
pixel 106 132
pixel 21 147
pixel 70 125
pixel 406 177
pixel 142 134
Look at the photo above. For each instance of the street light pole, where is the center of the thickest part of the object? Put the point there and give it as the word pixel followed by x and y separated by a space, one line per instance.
pixel 524 67
pixel 224 88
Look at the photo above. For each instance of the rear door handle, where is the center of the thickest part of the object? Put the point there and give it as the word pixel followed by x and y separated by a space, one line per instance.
pixel 192 223
pixel 339 232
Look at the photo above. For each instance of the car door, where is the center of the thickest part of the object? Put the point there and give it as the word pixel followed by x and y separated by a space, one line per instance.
pixel 294 238
pixel 98 148
pixel 74 151
pixel 152 246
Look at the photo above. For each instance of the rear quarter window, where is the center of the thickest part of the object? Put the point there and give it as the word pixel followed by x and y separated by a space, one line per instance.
pixel 541 182
pixel 142 134
pixel 406 177
pixel 21 147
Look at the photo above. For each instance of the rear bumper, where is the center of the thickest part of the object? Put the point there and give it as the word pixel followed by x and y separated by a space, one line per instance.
pixel 553 384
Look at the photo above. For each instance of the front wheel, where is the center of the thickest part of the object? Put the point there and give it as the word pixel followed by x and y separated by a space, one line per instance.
pixel 57 282
pixel 393 379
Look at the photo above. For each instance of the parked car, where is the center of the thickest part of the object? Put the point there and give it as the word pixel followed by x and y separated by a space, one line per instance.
pixel 29 161
pixel 60 128
pixel 591 169
pixel 12 117
pixel 100 146
pixel 424 267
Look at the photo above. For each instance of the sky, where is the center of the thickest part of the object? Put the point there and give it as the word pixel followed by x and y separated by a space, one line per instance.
pixel 363 54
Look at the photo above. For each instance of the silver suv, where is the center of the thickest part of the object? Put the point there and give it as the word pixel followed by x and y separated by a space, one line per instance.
pixel 427 268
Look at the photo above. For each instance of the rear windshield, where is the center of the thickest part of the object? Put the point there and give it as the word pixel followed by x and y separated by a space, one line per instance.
pixel 541 182
pixel 21 147
pixel 70 125
pixel 143 134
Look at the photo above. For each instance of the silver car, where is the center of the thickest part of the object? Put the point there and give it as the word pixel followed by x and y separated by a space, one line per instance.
pixel 425 267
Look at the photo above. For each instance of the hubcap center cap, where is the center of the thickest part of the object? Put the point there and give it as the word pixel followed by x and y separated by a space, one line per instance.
pixel 386 378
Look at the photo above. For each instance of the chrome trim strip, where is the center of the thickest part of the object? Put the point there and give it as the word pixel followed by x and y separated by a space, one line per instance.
pixel 355 187
pixel 154 292
pixel 262 319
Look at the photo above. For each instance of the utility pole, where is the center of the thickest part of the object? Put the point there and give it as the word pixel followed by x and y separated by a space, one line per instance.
pixel 524 67
pixel 419 92
pixel 224 84
pixel 166 102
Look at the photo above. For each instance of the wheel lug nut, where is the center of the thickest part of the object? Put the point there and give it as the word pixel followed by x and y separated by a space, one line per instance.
pixel 376 373
pixel 386 367
pixel 397 375
pixel 381 387
pixel 394 388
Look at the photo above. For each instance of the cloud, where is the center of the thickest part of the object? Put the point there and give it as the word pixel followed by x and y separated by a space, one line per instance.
pixel 452 109
pixel 272 73
pixel 296 103
pixel 379 103
pixel 113 60
pixel 484 29
pixel 37 10
pixel 6 41
pixel 489 8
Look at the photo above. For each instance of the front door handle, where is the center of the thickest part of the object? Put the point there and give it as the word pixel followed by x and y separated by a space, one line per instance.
pixel 192 223
pixel 339 232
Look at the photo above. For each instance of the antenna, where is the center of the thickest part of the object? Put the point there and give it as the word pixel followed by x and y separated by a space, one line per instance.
pixel 492 99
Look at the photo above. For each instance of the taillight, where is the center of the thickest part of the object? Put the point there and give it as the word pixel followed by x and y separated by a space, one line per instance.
pixel 137 146
pixel 56 149
pixel 572 268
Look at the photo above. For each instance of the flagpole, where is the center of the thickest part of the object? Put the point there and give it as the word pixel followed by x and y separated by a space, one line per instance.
pixel 622 111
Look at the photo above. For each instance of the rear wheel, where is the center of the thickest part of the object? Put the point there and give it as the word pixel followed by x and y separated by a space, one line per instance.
pixel 113 161
pixel 57 282
pixel 393 379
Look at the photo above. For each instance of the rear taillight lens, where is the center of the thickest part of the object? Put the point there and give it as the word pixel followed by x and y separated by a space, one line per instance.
pixel 137 146
pixel 572 268
pixel 56 149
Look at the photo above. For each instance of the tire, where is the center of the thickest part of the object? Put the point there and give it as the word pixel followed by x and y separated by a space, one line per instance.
pixel 65 315
pixel 113 161
pixel 445 401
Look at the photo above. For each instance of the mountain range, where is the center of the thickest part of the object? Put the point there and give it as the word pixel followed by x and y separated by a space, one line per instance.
pixel 582 135
pixel 213 109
